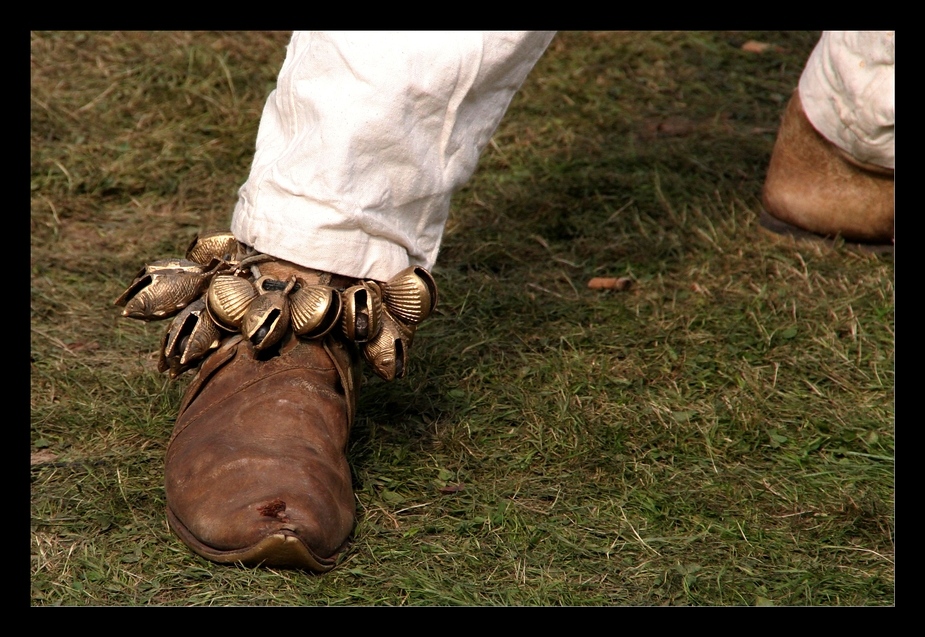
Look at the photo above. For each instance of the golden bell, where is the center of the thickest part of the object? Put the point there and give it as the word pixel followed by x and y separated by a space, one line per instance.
pixel 228 299
pixel 314 310
pixel 172 364
pixel 163 288
pixel 192 334
pixel 362 311
pixel 387 352
pixel 411 295
pixel 267 317
pixel 219 245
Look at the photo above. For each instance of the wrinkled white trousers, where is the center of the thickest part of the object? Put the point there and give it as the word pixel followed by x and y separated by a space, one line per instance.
pixel 367 136
pixel 847 93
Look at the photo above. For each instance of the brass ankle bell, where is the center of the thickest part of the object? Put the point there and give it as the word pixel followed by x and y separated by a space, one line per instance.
pixel 314 310
pixel 411 295
pixel 228 298
pixel 267 317
pixel 387 352
pixel 163 288
pixel 211 293
pixel 362 311
pixel 192 334
pixel 212 245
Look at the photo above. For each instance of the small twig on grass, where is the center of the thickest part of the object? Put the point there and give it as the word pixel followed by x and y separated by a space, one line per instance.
pixel 416 506
pixel 70 180
pixel 96 99
pixel 771 489
pixel 542 289
pixel 857 548
pixel 635 534
pixel 47 108
pixel 54 339
pixel 125 497
pixel 500 152
pixel 742 531
pixel 54 213
pixel 814 388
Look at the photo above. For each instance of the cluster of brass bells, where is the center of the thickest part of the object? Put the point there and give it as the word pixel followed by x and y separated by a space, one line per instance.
pixel 217 290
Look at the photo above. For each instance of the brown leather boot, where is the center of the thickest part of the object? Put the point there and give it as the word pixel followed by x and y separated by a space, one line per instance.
pixel 256 468
pixel 816 187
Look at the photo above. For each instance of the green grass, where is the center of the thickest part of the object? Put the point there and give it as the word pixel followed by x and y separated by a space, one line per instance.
pixel 719 434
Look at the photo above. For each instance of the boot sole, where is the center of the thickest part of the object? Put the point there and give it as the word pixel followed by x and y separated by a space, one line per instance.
pixel 773 224
pixel 277 550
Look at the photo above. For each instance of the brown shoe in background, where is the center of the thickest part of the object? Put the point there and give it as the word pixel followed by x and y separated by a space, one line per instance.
pixel 813 187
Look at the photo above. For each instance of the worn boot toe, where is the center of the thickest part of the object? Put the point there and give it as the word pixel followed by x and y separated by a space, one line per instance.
pixel 256 469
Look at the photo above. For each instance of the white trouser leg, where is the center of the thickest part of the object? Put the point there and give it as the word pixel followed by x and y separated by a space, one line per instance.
pixel 366 137
pixel 847 93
